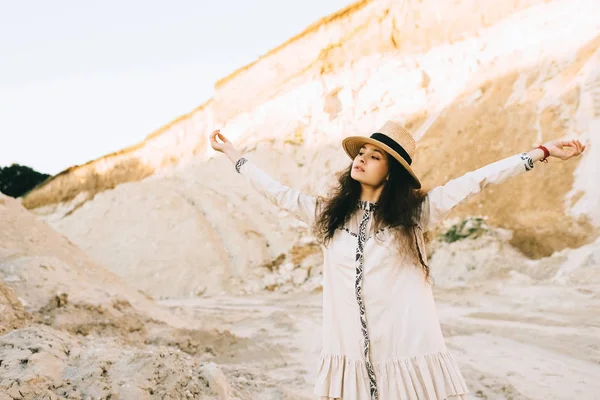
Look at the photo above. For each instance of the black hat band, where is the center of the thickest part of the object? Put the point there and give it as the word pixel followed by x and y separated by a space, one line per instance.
pixel 393 145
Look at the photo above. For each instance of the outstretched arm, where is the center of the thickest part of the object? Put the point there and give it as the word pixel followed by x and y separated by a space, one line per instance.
pixel 442 199
pixel 300 205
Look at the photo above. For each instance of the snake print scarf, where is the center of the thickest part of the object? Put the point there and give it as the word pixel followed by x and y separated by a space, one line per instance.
pixel 368 208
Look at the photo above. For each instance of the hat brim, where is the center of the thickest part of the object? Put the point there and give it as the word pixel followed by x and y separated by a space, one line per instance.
pixel 352 145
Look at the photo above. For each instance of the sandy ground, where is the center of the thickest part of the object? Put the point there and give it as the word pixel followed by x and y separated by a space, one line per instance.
pixel 511 341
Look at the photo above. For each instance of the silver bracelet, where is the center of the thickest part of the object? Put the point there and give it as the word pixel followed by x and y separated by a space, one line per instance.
pixel 239 164
pixel 527 160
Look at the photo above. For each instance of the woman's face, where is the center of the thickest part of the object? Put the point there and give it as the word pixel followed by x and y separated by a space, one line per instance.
pixel 370 166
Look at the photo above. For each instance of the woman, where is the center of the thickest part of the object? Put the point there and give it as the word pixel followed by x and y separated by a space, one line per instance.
pixel 381 334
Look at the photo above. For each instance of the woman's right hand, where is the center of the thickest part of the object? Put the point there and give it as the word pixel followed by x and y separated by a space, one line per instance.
pixel 223 146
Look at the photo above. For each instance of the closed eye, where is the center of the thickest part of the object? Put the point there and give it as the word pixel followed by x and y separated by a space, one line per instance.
pixel 374 157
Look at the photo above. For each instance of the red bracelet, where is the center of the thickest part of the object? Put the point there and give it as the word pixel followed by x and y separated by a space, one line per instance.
pixel 546 153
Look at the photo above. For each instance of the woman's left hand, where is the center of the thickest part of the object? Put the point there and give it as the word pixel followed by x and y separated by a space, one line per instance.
pixel 565 149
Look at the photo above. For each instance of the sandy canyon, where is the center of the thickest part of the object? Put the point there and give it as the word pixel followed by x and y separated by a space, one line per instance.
pixel 157 273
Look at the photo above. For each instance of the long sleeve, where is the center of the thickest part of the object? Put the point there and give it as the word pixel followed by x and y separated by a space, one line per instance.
pixel 298 204
pixel 442 199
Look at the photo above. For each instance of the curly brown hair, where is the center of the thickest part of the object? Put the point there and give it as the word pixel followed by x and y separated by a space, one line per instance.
pixel 398 208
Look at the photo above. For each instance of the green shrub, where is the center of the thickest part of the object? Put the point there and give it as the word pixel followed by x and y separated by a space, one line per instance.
pixel 471 227
pixel 16 180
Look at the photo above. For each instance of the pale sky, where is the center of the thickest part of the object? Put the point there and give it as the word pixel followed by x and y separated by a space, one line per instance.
pixel 80 79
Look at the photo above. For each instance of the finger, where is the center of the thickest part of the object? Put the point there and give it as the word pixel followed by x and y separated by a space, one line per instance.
pixel 573 148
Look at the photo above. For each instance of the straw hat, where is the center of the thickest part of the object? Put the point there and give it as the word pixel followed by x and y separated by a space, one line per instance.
pixel 391 137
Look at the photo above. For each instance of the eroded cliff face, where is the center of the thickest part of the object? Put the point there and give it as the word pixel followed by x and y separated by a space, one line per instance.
pixel 474 81
pixel 327 47
pixel 364 29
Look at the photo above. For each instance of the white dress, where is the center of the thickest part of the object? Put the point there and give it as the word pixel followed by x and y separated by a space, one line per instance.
pixel 394 349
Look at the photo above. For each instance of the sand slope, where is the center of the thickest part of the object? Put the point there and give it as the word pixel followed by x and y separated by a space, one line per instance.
pixel 72 329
